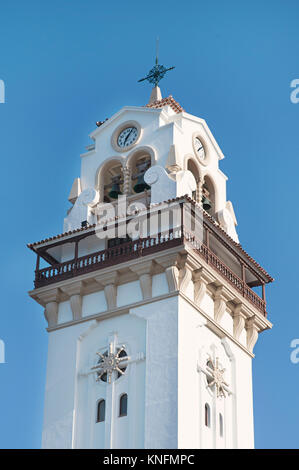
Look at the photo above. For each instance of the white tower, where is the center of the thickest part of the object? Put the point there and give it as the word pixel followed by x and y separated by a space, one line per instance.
pixel 151 333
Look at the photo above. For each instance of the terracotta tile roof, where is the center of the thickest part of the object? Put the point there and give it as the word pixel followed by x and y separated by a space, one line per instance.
pixel 238 246
pixel 169 101
pixel 61 235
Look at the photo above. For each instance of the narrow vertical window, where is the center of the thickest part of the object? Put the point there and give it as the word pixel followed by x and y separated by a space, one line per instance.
pixel 123 405
pixel 207 415
pixel 220 425
pixel 101 408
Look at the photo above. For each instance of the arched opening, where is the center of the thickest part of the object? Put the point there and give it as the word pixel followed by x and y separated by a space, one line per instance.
pixel 111 181
pixel 207 415
pixel 220 425
pixel 138 164
pixel 191 166
pixel 101 409
pixel 208 196
pixel 123 405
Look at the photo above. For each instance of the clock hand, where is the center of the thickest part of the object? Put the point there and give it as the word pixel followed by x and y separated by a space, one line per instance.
pixel 128 136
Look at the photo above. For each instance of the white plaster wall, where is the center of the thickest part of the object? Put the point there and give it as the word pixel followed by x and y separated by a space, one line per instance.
pixel 94 303
pixel 60 388
pixel 160 129
pixel 227 322
pixel 158 139
pixel 244 398
pixel 166 392
pixel 67 252
pixel 189 321
pixel 64 312
pixel 161 373
pixel 128 293
pixel 196 342
pixel 116 432
pixel 91 245
pixel 207 304
pixel 159 284
pixel 183 139
pixel 243 337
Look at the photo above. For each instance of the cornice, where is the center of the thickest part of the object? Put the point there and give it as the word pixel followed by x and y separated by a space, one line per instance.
pixel 113 312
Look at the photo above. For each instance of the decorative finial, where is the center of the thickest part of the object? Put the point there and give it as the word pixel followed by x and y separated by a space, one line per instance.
pixel 157 72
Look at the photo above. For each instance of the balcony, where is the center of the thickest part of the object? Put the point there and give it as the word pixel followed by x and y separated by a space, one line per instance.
pixel 215 247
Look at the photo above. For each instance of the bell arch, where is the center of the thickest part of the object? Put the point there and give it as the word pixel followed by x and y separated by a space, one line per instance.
pixel 192 165
pixel 206 189
pixel 209 195
pixel 137 164
pixel 110 178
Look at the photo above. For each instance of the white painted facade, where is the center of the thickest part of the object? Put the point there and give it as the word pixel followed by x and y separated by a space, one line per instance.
pixel 172 312
pixel 167 390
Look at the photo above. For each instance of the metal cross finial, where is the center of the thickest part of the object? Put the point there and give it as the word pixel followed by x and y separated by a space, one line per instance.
pixel 157 72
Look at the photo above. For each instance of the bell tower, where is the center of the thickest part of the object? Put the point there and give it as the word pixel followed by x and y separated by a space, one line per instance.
pixel 152 305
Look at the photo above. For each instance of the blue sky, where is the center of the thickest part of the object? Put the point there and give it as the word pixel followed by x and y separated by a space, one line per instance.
pixel 66 65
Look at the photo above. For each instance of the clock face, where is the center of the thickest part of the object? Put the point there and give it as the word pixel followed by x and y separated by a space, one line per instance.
pixel 127 137
pixel 199 148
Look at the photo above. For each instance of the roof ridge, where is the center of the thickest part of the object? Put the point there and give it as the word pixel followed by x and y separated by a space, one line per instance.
pixel 168 100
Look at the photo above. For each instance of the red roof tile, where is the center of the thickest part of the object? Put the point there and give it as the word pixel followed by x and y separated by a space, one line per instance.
pixel 169 101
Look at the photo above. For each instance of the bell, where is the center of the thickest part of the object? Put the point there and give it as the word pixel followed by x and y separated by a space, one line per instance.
pixel 141 185
pixel 115 189
pixel 206 203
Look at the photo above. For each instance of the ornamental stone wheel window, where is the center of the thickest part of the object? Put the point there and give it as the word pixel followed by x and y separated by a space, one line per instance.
pixel 111 365
pixel 215 377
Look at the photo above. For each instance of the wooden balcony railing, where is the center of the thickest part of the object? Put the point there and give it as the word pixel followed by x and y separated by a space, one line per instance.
pixel 143 247
pixel 227 273
pixel 111 256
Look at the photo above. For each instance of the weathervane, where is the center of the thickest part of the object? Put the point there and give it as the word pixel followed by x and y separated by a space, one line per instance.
pixel 157 72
